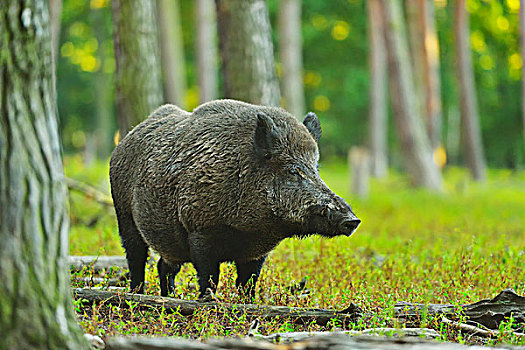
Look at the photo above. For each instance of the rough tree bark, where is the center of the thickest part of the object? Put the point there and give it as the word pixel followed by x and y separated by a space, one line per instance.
pixel 135 36
pixel 290 49
pixel 246 48
pixel 35 297
pixel 172 52
pixel 377 91
pixel 206 50
pixel 470 128
pixel 414 141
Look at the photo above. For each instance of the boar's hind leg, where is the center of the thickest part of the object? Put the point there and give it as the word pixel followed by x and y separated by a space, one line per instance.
pixel 136 251
pixel 167 275
pixel 248 273
pixel 136 254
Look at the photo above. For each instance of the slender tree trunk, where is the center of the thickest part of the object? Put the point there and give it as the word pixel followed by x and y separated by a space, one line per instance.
pixel 135 36
pixel 246 47
pixel 35 296
pixel 470 128
pixel 424 52
pixel 414 141
pixel 104 89
pixel 290 48
pixel 416 37
pixel 55 13
pixel 206 50
pixel 172 52
pixel 432 80
pixel 522 42
pixel 377 91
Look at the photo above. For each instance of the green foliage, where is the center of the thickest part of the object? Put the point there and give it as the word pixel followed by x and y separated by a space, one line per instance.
pixel 453 248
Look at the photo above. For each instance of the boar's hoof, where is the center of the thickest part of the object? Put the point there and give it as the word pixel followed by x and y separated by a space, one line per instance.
pixel 209 297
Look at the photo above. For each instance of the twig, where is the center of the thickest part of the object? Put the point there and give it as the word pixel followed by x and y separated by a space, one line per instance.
pixel 89 192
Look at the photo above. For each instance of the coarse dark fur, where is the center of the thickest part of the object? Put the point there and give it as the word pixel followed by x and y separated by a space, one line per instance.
pixel 227 182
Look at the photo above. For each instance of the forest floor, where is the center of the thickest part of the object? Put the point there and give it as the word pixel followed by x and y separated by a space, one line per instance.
pixel 457 247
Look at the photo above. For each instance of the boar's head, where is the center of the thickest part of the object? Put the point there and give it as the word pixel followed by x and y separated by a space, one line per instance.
pixel 301 203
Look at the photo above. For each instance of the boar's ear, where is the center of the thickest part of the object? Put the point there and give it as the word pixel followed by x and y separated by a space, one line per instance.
pixel 265 136
pixel 313 125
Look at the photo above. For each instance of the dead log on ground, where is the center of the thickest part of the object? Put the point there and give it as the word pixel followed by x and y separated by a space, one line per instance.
pixel 188 307
pixel 324 342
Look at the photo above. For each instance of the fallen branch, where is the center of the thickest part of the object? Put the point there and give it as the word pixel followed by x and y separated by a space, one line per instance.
pixel 397 332
pixel 98 262
pixel 89 192
pixel 318 342
pixel 188 307
pixel 106 282
pixel 487 333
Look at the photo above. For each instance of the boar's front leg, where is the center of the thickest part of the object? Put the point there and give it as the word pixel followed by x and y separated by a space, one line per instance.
pixel 206 261
pixel 248 273
pixel 167 275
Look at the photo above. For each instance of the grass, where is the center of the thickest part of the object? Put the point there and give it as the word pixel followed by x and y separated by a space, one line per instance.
pixel 455 247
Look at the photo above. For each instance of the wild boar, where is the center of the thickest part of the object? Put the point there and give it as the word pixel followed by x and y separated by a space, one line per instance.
pixel 227 182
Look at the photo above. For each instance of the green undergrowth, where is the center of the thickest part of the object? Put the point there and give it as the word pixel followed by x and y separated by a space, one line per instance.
pixel 455 247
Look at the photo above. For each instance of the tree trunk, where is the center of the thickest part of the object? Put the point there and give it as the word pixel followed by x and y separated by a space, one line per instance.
pixel 416 35
pixel 55 13
pixel 172 52
pixel 290 48
pixel 377 91
pixel 359 164
pixel 247 52
pixel 470 129
pixel 424 52
pixel 522 43
pixel 135 35
pixel 416 148
pixel 206 50
pixel 104 88
pixel 432 80
pixel 35 297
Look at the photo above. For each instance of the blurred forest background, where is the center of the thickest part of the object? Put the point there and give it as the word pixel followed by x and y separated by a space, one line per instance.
pixel 339 40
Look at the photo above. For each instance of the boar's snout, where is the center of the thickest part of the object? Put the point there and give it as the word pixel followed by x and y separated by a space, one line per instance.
pixel 348 226
pixel 335 218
